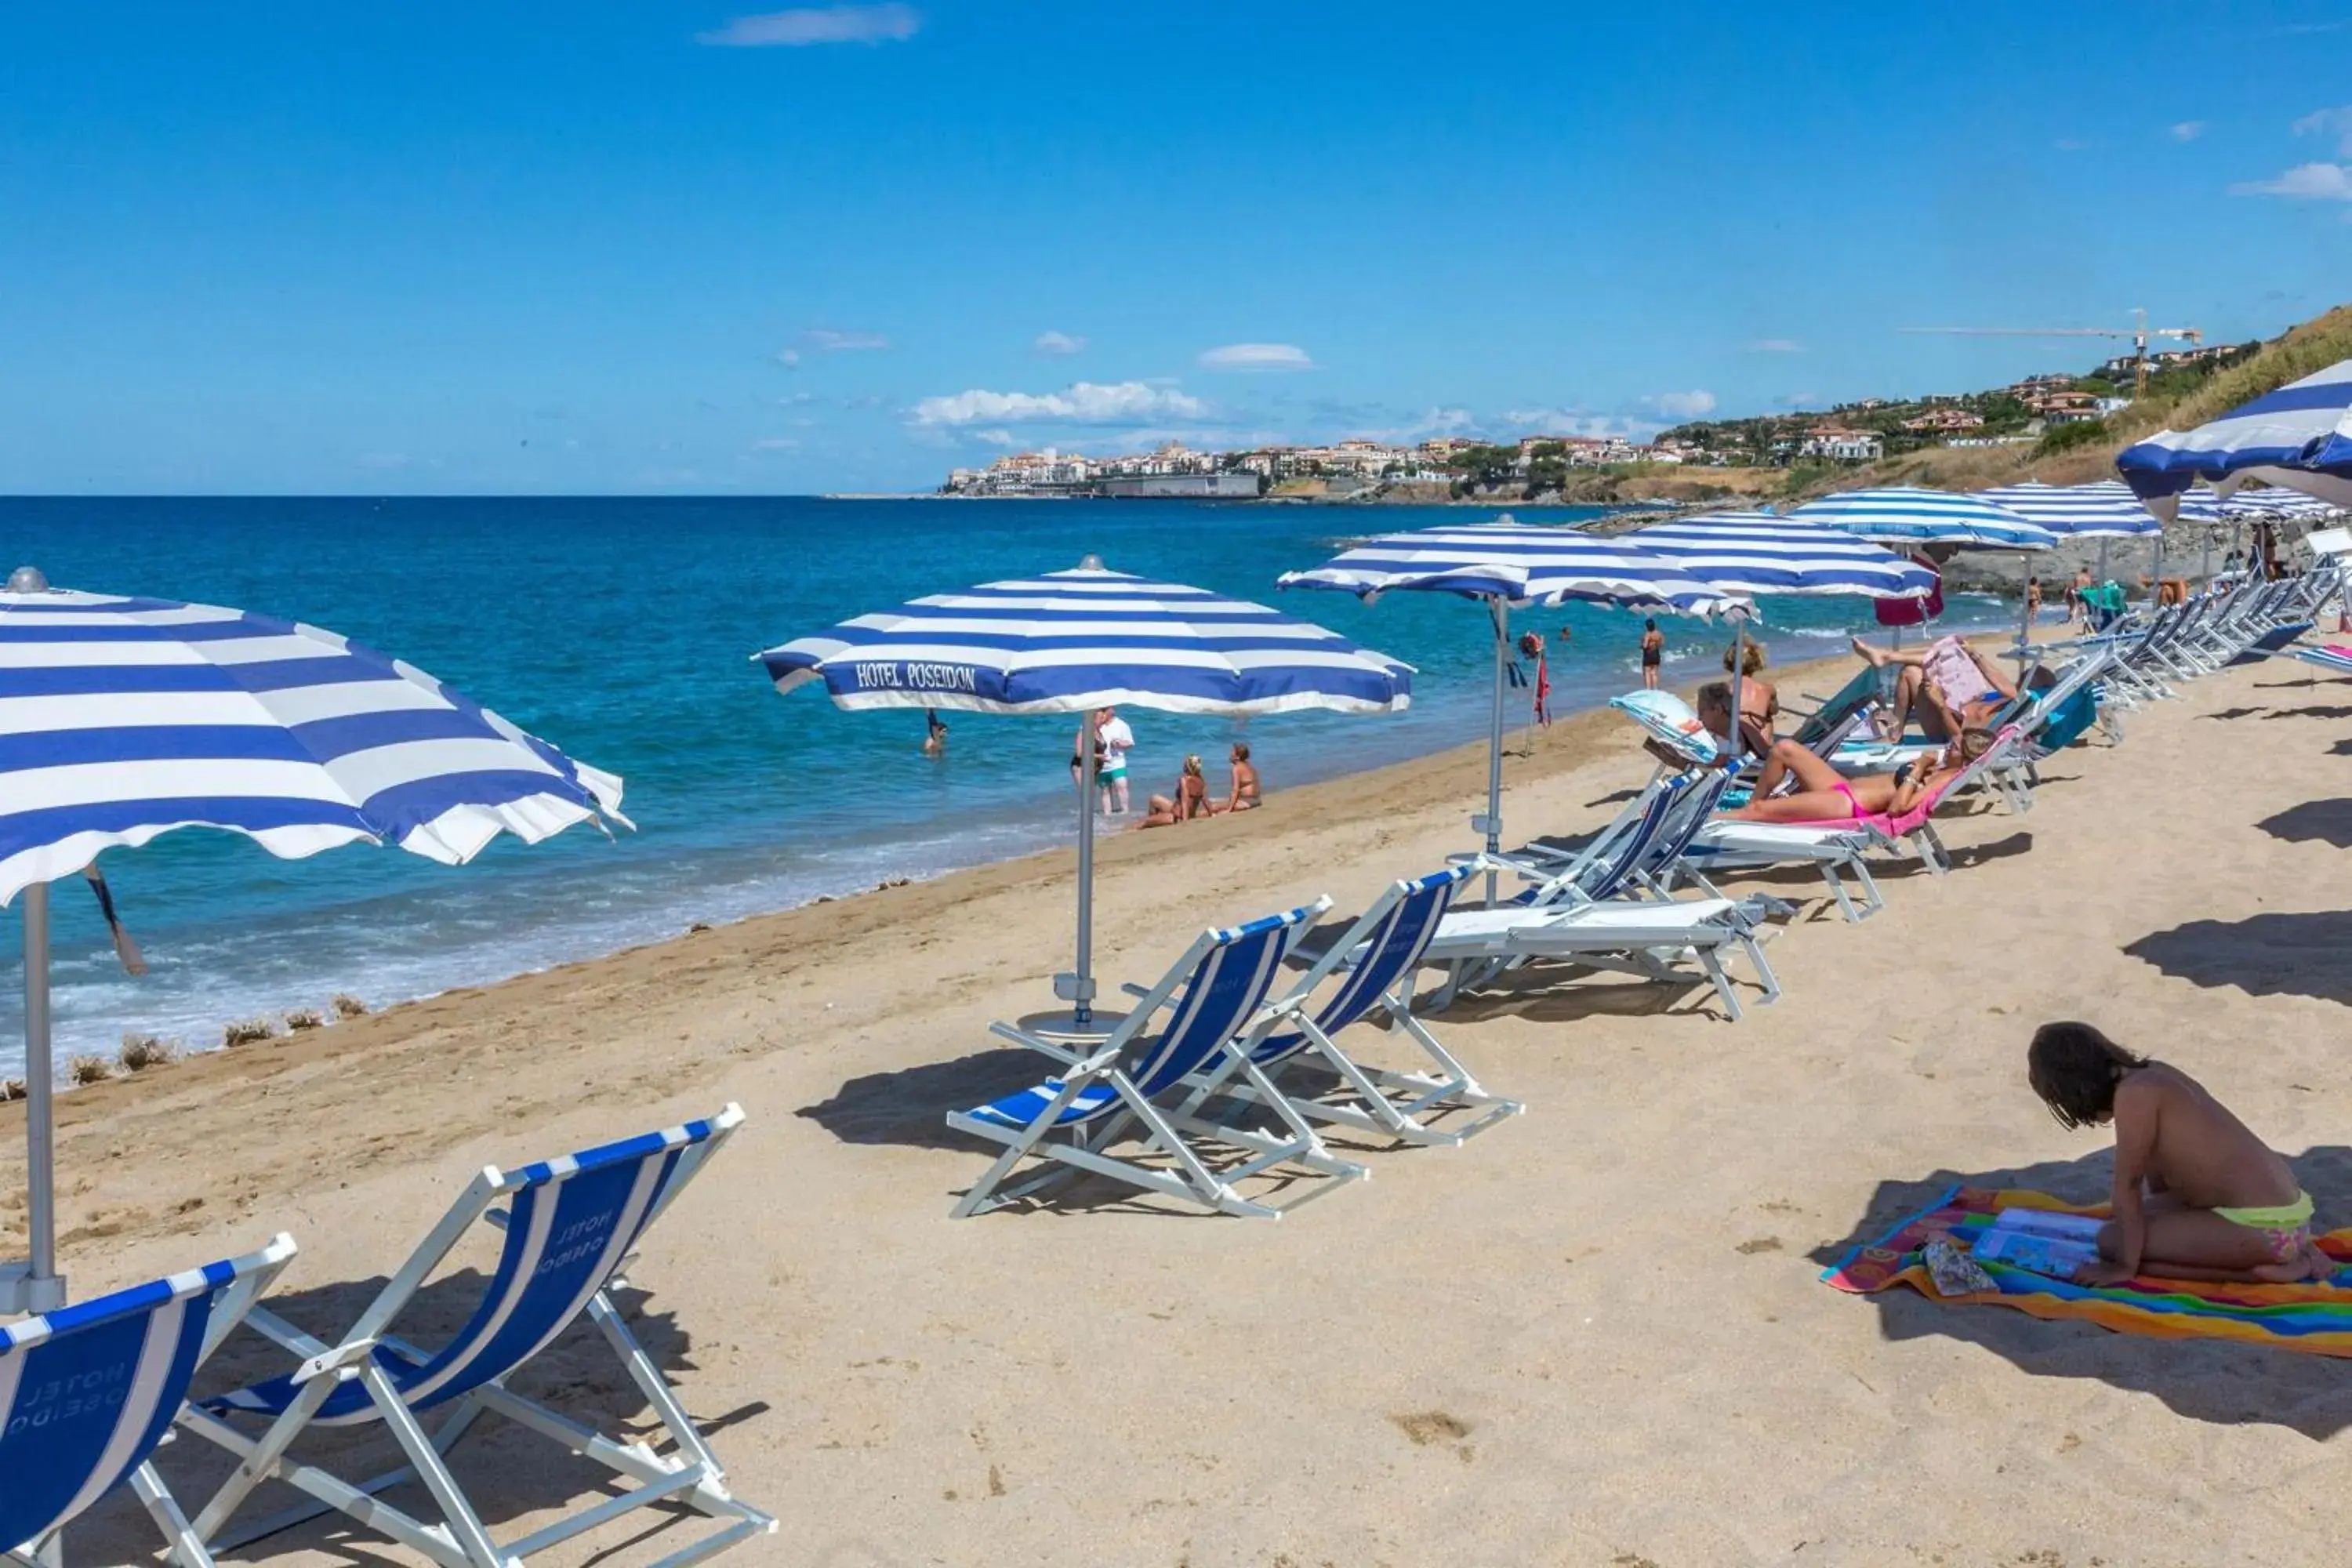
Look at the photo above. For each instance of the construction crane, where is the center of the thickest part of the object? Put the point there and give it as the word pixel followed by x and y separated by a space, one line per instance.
pixel 2138 334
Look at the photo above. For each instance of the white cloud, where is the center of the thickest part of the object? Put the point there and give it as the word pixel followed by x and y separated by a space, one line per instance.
pixel 817 24
pixel 1257 356
pixel 1005 438
pixel 826 340
pixel 2335 122
pixel 1683 405
pixel 1082 403
pixel 788 358
pixel 2189 131
pixel 2304 181
pixel 775 444
pixel 1776 347
pixel 1572 422
pixel 1057 345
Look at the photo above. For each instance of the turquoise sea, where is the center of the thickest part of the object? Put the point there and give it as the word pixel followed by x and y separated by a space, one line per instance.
pixel 622 630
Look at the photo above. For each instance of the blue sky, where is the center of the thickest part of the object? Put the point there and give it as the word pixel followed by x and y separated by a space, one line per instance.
pixel 686 246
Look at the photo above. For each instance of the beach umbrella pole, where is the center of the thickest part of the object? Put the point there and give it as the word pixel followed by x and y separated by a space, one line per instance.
pixel 2024 612
pixel 37 1288
pixel 1738 684
pixel 1491 824
pixel 1079 990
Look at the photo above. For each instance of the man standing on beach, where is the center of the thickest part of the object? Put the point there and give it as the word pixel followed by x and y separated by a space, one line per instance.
pixel 1116 739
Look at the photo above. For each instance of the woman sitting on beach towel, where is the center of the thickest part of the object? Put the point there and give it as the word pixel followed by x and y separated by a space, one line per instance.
pixel 2197 1194
pixel 1824 794
pixel 1191 799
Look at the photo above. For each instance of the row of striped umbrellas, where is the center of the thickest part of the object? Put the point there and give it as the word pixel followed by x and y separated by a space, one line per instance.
pixel 122 719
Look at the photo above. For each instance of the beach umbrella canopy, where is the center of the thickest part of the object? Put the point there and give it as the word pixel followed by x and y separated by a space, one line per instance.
pixel 1505 563
pixel 1761 552
pixel 1071 642
pixel 1517 564
pixel 1068 642
pixel 2274 502
pixel 2077 511
pixel 2299 436
pixel 122 719
pixel 1908 514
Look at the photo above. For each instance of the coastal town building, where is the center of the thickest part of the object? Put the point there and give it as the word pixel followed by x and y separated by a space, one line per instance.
pixel 1839 445
pixel 2065 407
pixel 1938 421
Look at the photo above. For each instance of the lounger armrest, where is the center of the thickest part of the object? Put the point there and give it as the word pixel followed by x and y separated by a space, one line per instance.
pixel 342 1363
pixel 1045 1047
pixel 278 1332
pixel 1102 1059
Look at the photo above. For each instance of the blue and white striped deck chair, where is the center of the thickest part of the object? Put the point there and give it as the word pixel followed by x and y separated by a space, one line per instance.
pixel 87 1393
pixel 1606 865
pixel 1211 996
pixel 569 1226
pixel 1378 957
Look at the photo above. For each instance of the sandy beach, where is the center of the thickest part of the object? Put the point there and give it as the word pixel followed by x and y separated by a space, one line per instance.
pixel 1593 1335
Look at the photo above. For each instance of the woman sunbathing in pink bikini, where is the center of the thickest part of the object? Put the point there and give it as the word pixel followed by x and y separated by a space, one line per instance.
pixel 1824 794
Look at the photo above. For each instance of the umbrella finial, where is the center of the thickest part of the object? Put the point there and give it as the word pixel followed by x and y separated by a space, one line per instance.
pixel 27 580
pixel 1090 562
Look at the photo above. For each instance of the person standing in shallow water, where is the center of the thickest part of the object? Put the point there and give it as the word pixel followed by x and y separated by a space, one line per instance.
pixel 1653 650
pixel 1531 646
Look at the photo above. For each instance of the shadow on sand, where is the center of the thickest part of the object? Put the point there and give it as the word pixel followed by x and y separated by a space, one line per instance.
pixel 909 1106
pixel 2222 1382
pixel 2327 820
pixel 2262 955
pixel 507 1473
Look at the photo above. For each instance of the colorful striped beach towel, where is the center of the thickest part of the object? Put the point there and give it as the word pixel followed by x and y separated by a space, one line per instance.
pixel 2312 1318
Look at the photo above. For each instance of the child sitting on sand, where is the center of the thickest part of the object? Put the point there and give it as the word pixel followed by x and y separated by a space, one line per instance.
pixel 2197 1196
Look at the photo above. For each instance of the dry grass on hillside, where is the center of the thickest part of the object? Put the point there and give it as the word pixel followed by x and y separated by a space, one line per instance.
pixel 2312 346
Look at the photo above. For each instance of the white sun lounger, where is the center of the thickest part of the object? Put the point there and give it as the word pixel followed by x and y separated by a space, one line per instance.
pixel 1652 938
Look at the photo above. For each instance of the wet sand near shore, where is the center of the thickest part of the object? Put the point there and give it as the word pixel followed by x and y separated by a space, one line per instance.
pixel 1591 1335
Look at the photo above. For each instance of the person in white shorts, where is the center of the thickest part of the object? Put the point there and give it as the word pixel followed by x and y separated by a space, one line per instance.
pixel 1116 739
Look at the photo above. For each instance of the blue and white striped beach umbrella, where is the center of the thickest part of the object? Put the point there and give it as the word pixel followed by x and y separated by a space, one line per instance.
pixel 1070 642
pixel 2299 436
pixel 2077 511
pixel 1505 563
pixel 2276 503
pixel 1761 552
pixel 1908 514
pixel 1517 564
pixel 122 719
